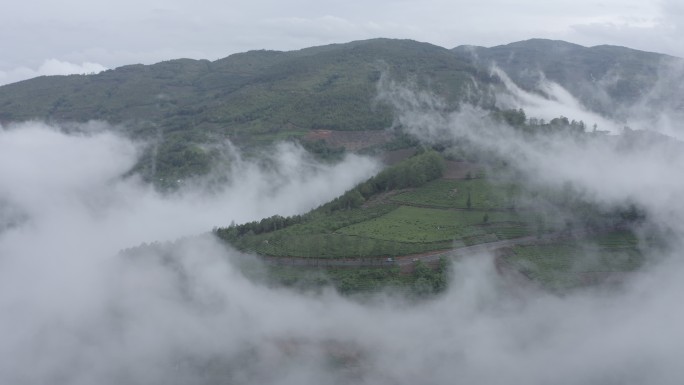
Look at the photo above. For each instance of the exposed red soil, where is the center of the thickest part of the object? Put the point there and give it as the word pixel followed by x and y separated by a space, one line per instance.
pixel 393 157
pixel 383 198
pixel 350 140
pixel 460 170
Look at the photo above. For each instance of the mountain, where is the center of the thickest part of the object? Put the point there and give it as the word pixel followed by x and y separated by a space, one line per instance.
pixel 252 98
pixel 607 79
pixel 259 97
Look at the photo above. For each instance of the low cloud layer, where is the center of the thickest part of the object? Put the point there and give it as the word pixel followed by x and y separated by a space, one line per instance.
pixel 641 169
pixel 550 101
pixel 659 107
pixel 72 312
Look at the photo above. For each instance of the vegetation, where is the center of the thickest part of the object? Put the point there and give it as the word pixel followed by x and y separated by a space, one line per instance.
pixel 426 225
pixel 417 170
pixel 571 263
pixel 578 69
pixel 251 98
pixel 258 97
pixel 422 281
pixel 370 222
pixel 182 107
pixel 444 193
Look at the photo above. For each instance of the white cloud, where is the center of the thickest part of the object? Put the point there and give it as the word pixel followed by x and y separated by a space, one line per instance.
pixel 50 67
pixel 72 312
pixel 555 102
pixel 147 31
pixel 57 67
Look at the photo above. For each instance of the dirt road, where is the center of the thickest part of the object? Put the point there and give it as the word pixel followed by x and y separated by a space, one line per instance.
pixel 430 257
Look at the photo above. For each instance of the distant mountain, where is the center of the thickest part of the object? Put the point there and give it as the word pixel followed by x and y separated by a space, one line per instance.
pixel 607 79
pixel 252 98
pixel 259 97
pixel 255 92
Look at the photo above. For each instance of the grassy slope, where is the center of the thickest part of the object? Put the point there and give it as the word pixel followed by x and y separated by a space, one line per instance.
pixel 571 263
pixel 398 224
pixel 253 98
pixel 434 216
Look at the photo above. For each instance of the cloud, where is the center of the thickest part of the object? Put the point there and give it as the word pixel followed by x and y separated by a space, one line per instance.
pixel 657 31
pixel 661 107
pixel 184 312
pixel 71 311
pixel 50 67
pixel 68 211
pixel 557 339
pixel 606 168
pixel 552 102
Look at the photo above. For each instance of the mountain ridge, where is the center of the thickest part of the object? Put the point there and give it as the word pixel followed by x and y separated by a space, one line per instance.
pixel 263 96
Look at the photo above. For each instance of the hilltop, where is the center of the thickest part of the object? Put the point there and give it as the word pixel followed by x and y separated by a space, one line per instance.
pixel 433 206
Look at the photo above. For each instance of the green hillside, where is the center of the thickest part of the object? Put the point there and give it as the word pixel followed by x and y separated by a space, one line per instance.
pixel 397 220
pixel 410 216
pixel 183 107
pixel 251 98
pixel 604 78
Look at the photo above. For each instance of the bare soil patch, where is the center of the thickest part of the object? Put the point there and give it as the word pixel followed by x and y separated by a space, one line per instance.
pixel 383 198
pixel 393 157
pixel 350 140
pixel 460 170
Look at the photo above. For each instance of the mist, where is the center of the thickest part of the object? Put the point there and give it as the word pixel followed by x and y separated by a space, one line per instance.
pixel 73 311
pixel 551 101
pixel 67 210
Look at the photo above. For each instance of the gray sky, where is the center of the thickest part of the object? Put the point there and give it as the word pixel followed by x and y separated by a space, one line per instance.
pixel 76 36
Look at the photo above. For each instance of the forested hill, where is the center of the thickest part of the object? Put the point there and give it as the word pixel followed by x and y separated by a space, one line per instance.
pixel 251 98
pixel 252 93
pixel 260 97
pixel 607 79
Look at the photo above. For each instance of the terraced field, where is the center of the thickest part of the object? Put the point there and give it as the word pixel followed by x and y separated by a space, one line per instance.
pixel 411 224
pixel 434 216
pixel 565 264
pixel 454 193
pixel 426 225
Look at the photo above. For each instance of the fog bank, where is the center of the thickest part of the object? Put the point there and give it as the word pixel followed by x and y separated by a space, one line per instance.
pixel 72 312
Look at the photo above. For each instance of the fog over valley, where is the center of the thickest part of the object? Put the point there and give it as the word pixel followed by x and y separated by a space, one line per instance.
pixel 110 272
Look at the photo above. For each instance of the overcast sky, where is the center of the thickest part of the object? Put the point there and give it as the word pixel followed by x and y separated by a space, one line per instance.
pixel 76 36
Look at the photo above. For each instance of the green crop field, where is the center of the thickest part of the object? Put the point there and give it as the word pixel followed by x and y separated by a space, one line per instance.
pixel 368 223
pixel 425 225
pixel 563 264
pixel 454 194
pixel 319 245
pixel 323 223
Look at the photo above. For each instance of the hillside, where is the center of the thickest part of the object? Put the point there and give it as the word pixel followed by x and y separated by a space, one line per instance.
pixel 604 78
pixel 434 204
pixel 427 209
pixel 324 96
pixel 251 98
pixel 260 91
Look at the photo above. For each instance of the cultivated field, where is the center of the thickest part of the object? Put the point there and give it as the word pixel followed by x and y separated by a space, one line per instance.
pixel 570 263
